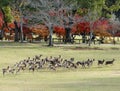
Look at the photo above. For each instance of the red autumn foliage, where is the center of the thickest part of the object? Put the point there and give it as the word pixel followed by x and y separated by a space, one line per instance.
pixel 83 27
pixel 6 30
pixel 60 31
pixel 100 27
pixel 117 34
pixel 40 30
pixel 74 30
pixel 26 30
pixel 1 19
pixel 11 25
pixel 9 33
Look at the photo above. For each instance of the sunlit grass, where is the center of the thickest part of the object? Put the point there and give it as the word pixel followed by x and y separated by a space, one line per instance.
pixel 104 78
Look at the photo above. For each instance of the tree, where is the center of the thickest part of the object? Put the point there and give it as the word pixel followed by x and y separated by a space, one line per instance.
pixel 60 13
pixel 49 12
pixel 18 7
pixel 91 10
pixel 115 27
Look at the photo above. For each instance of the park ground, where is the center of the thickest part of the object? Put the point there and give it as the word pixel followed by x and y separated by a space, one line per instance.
pixel 104 78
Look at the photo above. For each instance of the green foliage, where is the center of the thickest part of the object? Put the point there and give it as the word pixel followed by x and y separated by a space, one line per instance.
pixel 102 7
pixel 82 11
pixel 108 15
pixel 8 15
pixel 4 3
pixel 91 6
pixel 111 6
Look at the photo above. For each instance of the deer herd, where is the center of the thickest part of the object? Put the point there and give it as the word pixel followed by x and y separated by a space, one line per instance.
pixel 52 63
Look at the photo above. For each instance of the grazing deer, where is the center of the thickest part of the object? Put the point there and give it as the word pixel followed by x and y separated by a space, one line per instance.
pixel 52 67
pixel 4 70
pixel 100 62
pixel 38 57
pixel 109 62
pixel 32 68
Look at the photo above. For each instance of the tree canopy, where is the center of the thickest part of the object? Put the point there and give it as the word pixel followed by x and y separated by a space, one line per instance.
pixel 61 14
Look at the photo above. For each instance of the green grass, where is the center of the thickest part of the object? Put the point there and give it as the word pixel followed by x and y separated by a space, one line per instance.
pixel 105 78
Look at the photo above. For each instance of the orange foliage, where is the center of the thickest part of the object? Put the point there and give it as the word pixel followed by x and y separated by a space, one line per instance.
pixel 11 25
pixel 36 32
pixel 40 30
pixel 6 30
pixel 103 33
pixel 26 30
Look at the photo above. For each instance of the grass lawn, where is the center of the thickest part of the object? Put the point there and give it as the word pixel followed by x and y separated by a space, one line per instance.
pixel 105 78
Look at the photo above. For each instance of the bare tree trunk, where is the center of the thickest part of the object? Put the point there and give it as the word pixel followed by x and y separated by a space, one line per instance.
pixel 114 42
pixel 68 35
pixel 21 26
pixel 83 38
pixel 91 34
pixel 90 40
pixel 21 31
pixel 16 32
pixel 50 40
pixel 50 36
